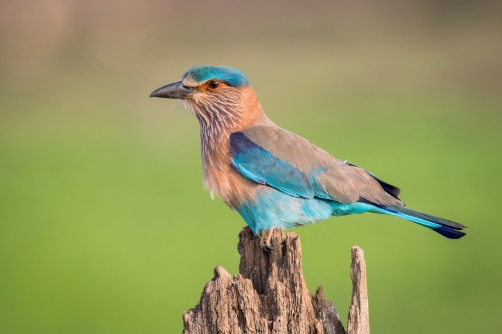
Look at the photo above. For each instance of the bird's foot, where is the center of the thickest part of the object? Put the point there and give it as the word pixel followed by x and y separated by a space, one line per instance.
pixel 265 237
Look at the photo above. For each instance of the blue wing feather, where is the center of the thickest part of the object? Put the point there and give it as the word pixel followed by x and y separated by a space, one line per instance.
pixel 261 166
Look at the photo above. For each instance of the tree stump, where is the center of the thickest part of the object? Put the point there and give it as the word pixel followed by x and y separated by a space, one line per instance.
pixel 270 294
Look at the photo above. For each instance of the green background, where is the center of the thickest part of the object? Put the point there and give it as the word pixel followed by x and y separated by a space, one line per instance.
pixel 104 225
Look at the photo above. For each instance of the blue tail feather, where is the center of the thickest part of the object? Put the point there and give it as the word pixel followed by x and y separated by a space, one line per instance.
pixel 446 231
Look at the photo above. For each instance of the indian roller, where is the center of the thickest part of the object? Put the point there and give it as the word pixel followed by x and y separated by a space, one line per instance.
pixel 274 178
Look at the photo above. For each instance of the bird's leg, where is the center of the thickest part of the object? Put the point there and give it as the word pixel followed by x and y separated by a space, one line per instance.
pixel 265 240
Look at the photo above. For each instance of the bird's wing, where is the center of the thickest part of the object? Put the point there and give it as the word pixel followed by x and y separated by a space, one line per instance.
pixel 259 165
pixel 273 156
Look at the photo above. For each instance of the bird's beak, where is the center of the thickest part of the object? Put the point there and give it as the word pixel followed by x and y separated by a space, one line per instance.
pixel 175 90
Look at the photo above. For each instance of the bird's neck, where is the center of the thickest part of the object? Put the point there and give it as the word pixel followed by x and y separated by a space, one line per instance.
pixel 215 134
pixel 215 131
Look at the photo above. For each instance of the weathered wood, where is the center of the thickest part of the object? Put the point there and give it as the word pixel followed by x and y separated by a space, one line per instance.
pixel 359 321
pixel 268 296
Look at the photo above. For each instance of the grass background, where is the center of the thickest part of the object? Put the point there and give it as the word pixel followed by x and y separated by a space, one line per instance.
pixel 104 226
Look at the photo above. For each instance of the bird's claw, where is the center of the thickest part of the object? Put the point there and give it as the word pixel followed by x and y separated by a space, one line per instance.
pixel 265 244
pixel 266 247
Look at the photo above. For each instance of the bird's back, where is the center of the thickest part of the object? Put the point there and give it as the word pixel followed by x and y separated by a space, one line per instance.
pixel 268 146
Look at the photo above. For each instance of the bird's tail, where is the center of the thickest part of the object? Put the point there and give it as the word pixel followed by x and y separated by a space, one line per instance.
pixel 442 226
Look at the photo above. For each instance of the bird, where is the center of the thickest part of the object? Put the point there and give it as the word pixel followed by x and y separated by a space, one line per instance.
pixel 274 178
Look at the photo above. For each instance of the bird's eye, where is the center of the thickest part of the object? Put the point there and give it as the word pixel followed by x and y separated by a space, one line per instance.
pixel 213 84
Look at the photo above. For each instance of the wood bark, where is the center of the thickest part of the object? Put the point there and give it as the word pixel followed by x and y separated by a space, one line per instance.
pixel 359 321
pixel 270 294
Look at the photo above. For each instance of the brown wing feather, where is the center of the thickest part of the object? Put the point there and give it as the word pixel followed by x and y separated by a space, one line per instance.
pixel 343 182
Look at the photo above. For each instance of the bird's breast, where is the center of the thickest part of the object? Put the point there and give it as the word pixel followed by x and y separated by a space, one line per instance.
pixel 221 178
pixel 229 185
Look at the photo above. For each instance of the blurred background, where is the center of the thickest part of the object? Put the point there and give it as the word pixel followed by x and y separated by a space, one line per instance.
pixel 104 225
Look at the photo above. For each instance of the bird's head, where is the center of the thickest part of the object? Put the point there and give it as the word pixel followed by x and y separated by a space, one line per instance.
pixel 216 95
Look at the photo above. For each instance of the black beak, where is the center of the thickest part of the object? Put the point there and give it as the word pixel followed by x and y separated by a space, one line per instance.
pixel 173 91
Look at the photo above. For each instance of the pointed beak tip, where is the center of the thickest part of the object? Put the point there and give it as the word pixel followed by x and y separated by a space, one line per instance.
pixel 156 93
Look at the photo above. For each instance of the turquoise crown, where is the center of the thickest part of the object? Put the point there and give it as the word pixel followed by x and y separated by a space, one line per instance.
pixel 228 75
